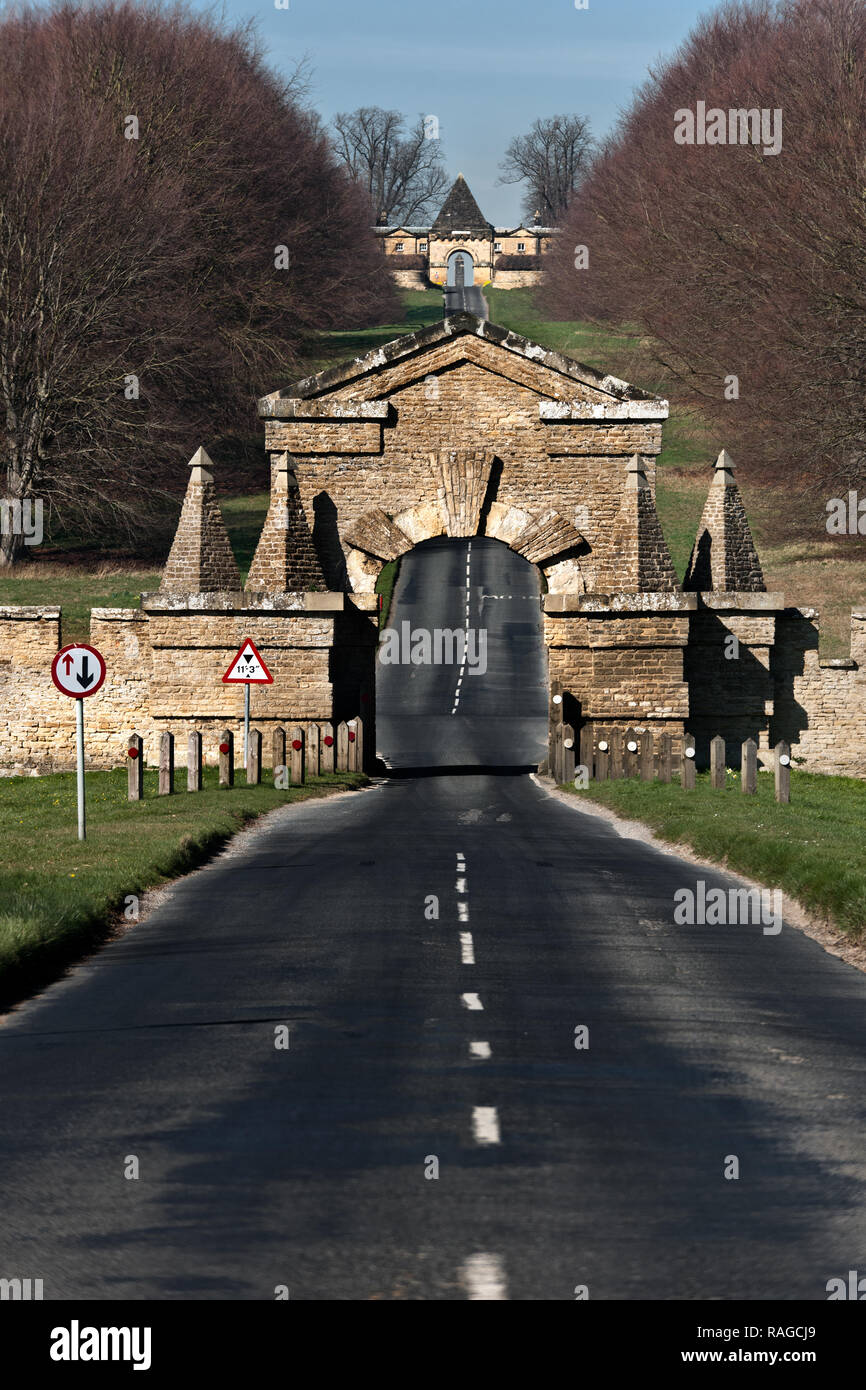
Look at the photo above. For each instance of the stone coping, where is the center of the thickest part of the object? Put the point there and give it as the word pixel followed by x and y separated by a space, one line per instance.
pixel 25 612
pixel 296 409
pixel 243 601
pixel 662 602
pixel 741 600
pixel 838 663
pixel 554 411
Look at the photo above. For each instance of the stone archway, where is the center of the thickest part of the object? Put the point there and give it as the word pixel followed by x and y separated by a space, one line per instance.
pixel 462 508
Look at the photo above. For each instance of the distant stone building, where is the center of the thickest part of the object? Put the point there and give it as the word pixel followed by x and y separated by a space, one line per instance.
pixel 462 247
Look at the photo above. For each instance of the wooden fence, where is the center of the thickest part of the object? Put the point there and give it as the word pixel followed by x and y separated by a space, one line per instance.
pixel 610 754
pixel 302 750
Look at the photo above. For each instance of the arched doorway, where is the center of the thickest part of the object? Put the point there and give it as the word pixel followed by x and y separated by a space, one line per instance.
pixel 461 269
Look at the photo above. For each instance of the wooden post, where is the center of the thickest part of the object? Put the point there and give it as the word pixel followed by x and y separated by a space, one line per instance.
pixel 166 764
pixel 314 749
pixel 647 766
pixel 568 759
pixel 278 750
pixel 556 750
pixel 297 754
pixel 554 746
pixel 783 772
pixel 717 763
pixel 630 754
pixel 194 781
pixel 602 757
pixel 134 767
pixel 329 749
pixel 254 758
pixel 356 745
pixel 615 741
pixel 665 758
pixel 587 750
pixel 688 771
pixel 749 766
pixel 343 747
pixel 227 758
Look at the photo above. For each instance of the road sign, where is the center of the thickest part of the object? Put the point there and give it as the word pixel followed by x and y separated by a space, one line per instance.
pixel 247 668
pixel 78 670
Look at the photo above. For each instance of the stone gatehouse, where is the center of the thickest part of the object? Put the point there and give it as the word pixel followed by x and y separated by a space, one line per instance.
pixel 462 247
pixel 461 429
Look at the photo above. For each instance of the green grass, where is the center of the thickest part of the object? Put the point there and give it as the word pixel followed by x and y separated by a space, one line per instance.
pixel 422 307
pixel 809 849
pixel 385 586
pixel 60 895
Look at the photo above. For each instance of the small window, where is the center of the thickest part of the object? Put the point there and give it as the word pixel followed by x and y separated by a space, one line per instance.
pixel 497 246
pixel 399 248
pixel 422 246
pixel 521 248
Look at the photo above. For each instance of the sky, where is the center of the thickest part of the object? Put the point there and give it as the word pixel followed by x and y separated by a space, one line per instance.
pixel 485 68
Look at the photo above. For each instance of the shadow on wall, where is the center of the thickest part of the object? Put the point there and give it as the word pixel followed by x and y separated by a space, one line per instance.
pixel 326 539
pixel 795 636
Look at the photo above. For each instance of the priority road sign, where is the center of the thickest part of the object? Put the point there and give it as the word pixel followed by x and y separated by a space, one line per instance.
pixel 78 670
pixel 247 668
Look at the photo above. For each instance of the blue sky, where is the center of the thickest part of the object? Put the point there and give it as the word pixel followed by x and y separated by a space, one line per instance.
pixel 485 68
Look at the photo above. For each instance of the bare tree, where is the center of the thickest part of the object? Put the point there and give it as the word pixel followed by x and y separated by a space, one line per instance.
pixel 173 227
pixel 401 172
pixel 552 160
pixel 743 259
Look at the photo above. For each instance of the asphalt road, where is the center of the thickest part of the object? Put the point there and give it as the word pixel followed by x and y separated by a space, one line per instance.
pixel 415 1037
pixel 465 299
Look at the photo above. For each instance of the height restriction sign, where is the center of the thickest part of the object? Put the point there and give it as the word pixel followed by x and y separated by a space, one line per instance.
pixel 247 668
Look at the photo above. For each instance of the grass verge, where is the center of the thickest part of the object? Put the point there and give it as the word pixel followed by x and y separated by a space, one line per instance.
pixel 59 896
pixel 807 848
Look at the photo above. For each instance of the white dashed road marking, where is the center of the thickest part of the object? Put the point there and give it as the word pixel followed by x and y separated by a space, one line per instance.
pixel 454 707
pixel 485 1124
pixel 467 948
pixel 471 1001
pixel 479 1049
pixel 463 912
pixel 484 1278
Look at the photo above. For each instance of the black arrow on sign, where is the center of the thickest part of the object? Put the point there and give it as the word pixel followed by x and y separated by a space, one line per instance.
pixel 84 677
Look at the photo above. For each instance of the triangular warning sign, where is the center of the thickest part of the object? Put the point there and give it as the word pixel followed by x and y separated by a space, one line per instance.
pixel 247 668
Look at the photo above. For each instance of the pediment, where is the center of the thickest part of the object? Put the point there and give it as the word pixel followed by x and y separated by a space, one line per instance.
pixel 453 342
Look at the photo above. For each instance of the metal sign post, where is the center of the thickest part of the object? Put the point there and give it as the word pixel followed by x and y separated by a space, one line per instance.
pixel 247 668
pixel 79 671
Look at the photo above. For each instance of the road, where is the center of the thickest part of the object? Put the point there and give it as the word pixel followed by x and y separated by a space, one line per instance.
pixel 432 945
pixel 465 299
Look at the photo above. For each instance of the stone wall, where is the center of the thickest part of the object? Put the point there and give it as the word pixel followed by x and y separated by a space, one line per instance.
pixel 165 665
pixel 820 706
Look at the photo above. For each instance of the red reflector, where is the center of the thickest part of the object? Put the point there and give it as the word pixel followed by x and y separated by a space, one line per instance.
pixel 297 745
pixel 351 738
pixel 329 742
pixel 133 752
pixel 224 748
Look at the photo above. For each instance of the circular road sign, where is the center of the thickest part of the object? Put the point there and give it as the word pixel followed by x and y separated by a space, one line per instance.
pixel 78 670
